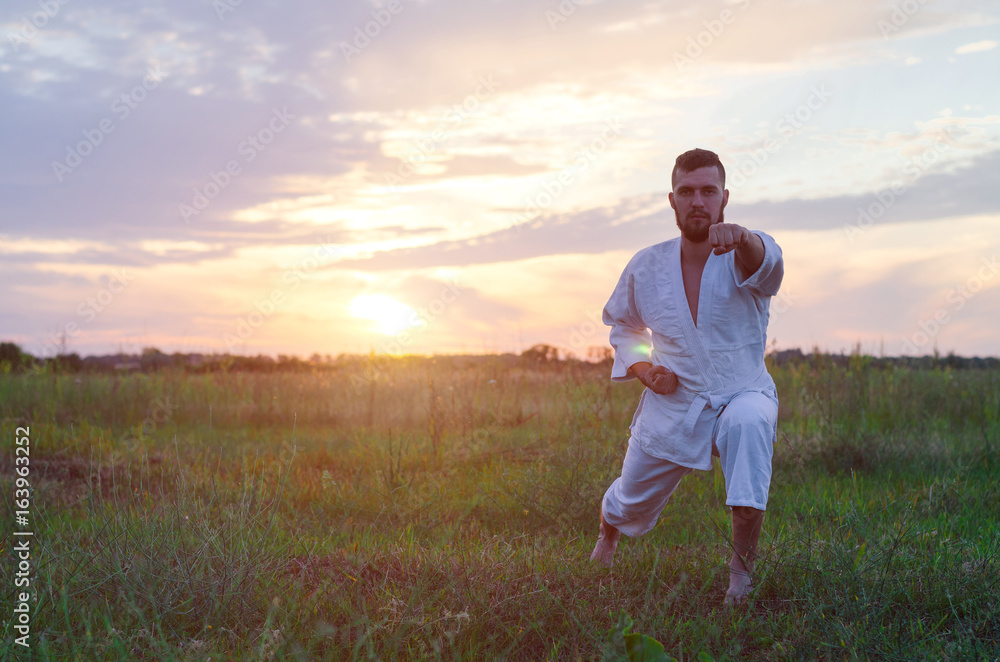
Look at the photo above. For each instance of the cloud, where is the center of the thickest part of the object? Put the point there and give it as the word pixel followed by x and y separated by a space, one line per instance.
pixel 420 75
pixel 977 47
pixel 644 220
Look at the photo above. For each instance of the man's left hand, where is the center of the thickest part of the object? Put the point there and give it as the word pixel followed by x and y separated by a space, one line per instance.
pixel 725 237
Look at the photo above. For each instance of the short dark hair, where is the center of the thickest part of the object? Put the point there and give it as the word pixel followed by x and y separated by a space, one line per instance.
pixel 694 159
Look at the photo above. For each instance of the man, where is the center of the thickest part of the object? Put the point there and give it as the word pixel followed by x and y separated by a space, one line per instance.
pixel 689 320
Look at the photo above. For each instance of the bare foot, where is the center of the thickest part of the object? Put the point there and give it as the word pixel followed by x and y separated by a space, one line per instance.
pixel 747 523
pixel 607 543
pixel 740 585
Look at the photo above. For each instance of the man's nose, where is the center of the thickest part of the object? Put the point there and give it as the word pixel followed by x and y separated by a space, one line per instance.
pixel 697 200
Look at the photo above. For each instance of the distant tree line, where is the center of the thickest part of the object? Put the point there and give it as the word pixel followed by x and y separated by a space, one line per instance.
pixel 929 362
pixel 540 356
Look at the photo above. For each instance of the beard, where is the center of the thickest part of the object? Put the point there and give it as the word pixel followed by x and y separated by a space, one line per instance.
pixel 695 231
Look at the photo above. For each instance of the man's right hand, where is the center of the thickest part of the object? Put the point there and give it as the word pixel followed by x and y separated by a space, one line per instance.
pixel 656 378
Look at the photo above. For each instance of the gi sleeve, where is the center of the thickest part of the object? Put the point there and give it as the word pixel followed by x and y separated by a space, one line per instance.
pixel 629 335
pixel 767 279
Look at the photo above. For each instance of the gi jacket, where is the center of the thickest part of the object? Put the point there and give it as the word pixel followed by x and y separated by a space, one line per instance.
pixel 714 361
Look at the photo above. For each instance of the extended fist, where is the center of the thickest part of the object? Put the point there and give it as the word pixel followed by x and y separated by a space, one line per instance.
pixel 660 380
pixel 725 237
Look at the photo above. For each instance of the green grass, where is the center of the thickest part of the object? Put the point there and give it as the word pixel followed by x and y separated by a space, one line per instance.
pixel 447 511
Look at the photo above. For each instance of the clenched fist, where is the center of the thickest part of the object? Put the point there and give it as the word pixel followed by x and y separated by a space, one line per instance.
pixel 660 380
pixel 725 237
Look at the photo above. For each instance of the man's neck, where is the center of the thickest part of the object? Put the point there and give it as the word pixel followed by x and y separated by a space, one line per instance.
pixel 695 254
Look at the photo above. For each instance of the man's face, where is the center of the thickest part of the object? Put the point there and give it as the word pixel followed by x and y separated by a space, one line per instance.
pixel 698 200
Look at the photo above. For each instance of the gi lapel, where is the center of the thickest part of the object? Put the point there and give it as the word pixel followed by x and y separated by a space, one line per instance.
pixel 696 337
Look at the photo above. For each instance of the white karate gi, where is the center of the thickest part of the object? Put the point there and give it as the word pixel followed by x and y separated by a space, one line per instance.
pixel 726 400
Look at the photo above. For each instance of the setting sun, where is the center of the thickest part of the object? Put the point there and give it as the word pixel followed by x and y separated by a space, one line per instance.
pixel 390 316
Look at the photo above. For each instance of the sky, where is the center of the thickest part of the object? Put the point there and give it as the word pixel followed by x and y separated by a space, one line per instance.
pixel 436 176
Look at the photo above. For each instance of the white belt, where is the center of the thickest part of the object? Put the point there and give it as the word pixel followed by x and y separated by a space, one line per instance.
pixel 715 400
pixel 702 400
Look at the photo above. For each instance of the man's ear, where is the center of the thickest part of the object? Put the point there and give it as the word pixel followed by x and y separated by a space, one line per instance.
pixel 670 197
pixel 725 198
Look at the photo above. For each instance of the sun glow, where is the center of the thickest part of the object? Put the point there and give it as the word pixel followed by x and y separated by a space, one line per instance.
pixel 389 315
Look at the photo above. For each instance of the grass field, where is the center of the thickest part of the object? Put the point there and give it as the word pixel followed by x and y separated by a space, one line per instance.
pixel 435 509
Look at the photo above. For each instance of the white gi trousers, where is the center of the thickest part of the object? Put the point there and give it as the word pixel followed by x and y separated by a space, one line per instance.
pixel 743 439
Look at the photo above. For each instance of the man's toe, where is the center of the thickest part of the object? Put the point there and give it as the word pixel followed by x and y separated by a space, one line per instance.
pixel 603 553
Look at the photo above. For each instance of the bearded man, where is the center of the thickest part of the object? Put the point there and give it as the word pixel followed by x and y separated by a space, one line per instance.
pixel 689 320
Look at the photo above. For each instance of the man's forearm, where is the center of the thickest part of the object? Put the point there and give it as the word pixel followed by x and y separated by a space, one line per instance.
pixel 750 256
